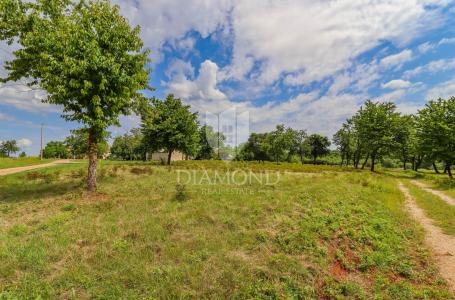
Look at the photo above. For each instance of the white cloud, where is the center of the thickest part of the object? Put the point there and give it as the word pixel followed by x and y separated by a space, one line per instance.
pixel 21 97
pixel 443 90
pixel 310 40
pixel 409 108
pixel 164 21
pixel 425 47
pixel 201 92
pixel 322 114
pixel 432 67
pixel 5 117
pixel 24 143
pixel 305 40
pixel 446 41
pixel 396 60
pixel 396 84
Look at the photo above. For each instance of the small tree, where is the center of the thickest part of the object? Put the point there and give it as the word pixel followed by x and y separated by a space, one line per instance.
pixel 299 145
pixel 344 139
pixel 436 131
pixel 23 154
pixel 376 125
pixel 319 146
pixel 170 125
pixel 84 54
pixel 9 147
pixel 279 142
pixel 129 146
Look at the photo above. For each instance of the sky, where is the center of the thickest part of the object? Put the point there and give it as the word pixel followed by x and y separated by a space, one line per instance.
pixel 308 64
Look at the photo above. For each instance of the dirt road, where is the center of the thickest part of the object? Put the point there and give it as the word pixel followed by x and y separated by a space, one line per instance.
pixel 443 245
pixel 440 194
pixel 9 171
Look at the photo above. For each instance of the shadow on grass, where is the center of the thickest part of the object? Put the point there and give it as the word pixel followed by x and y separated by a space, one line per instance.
pixel 29 191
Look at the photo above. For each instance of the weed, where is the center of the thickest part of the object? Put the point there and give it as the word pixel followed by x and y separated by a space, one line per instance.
pixel 181 192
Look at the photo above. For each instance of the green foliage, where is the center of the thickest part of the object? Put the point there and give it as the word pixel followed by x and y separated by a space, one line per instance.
pixel 254 148
pixel 208 142
pixel 318 146
pixel 299 145
pixel 22 155
pixel 170 125
pixel 345 141
pixel 129 146
pixel 279 142
pixel 78 145
pixel 55 150
pixel 84 54
pixel 8 147
pixel 436 131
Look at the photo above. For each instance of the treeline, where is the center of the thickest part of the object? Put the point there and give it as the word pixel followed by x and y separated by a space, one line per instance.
pixel 170 126
pixel 377 130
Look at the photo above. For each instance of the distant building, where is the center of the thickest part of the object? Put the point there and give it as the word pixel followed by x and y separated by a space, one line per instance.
pixel 162 156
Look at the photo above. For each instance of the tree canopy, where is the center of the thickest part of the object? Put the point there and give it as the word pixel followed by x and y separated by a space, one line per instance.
pixel 170 125
pixel 55 149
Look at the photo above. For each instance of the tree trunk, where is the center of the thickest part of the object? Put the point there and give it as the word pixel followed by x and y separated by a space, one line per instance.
pixel 169 157
pixel 418 163
pixel 366 160
pixel 314 159
pixel 413 163
pixel 373 157
pixel 301 158
pixel 92 159
pixel 435 168
pixel 404 165
pixel 449 171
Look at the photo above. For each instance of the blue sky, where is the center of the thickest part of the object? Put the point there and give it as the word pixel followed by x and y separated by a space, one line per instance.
pixel 307 64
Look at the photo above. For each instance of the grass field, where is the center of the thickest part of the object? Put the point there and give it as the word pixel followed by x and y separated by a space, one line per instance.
pixel 318 232
pixel 6 163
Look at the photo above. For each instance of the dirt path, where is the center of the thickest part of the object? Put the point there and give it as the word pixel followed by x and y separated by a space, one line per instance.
pixel 440 194
pixel 443 245
pixel 9 171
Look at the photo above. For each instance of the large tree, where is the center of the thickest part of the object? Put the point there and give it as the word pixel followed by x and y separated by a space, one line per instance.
pixel 299 145
pixel 376 124
pixel 9 147
pixel 279 142
pixel 318 145
pixel 84 54
pixel 436 131
pixel 170 125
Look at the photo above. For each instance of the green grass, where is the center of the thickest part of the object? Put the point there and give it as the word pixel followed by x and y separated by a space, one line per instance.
pixel 6 163
pixel 325 234
pixel 435 208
